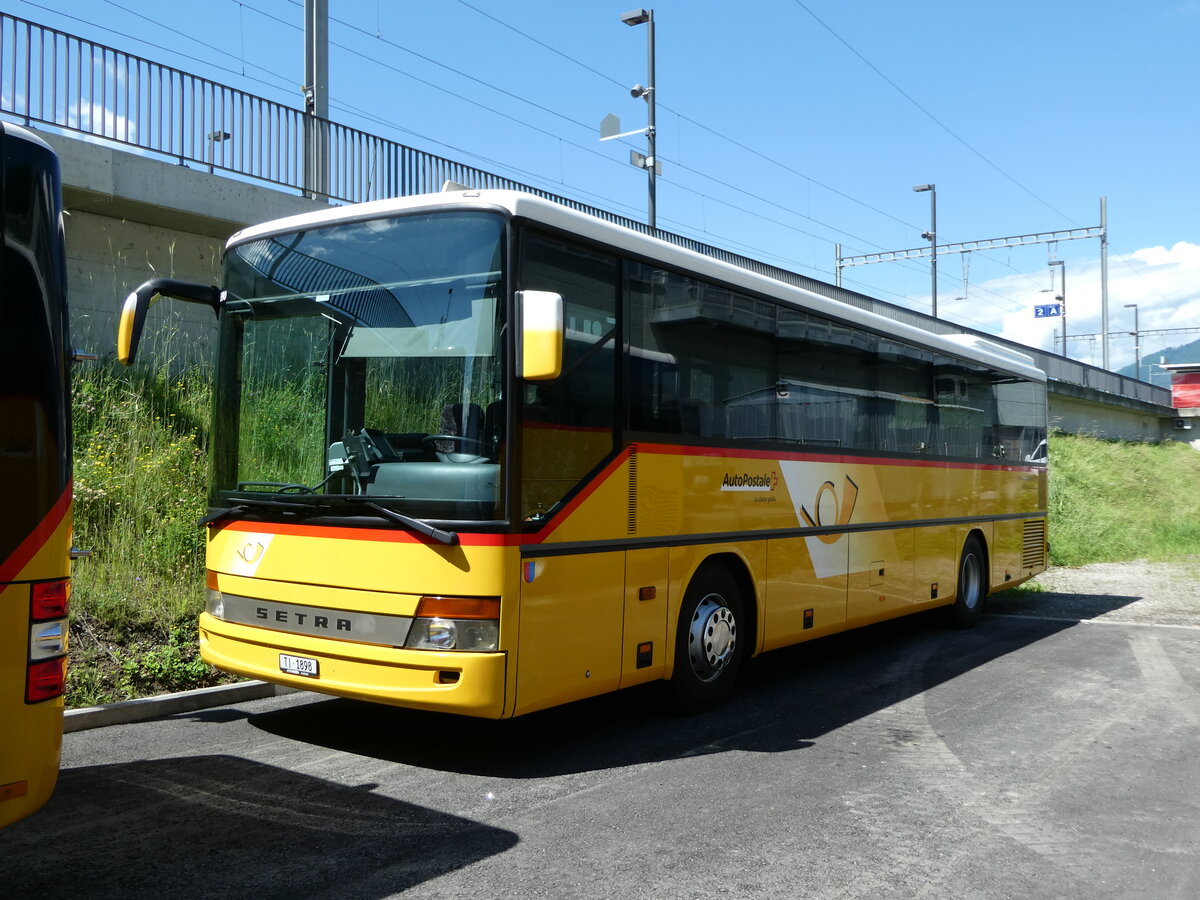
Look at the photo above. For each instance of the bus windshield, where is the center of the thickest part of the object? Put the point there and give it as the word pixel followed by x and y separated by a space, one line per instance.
pixel 363 360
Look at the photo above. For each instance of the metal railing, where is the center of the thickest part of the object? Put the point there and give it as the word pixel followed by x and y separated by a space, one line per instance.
pixel 67 83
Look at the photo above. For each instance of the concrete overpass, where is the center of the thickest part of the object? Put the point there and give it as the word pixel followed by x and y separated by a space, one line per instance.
pixel 132 216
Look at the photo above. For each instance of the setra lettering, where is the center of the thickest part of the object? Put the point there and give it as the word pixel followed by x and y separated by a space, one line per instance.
pixel 291 617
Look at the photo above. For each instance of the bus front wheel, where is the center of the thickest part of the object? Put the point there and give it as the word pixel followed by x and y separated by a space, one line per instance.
pixel 972 585
pixel 708 644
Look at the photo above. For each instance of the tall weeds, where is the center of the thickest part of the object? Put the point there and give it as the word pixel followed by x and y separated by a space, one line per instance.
pixel 1114 500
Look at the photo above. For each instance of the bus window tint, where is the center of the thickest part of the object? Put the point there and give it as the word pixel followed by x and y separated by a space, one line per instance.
pixel 568 423
pixel 708 362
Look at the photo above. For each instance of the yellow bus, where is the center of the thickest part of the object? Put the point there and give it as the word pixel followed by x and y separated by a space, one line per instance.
pixel 35 469
pixel 480 453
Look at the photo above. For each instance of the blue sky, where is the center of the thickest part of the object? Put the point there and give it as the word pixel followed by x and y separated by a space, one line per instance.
pixel 785 126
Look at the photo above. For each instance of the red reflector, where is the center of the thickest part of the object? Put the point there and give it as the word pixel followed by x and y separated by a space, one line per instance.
pixel 459 608
pixel 13 790
pixel 46 680
pixel 50 599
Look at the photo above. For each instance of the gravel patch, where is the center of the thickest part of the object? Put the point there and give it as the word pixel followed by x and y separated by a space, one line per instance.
pixel 1141 592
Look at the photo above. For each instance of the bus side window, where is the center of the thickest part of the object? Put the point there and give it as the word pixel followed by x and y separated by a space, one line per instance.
pixel 567 423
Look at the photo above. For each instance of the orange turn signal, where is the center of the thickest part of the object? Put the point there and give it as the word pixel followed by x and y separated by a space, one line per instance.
pixel 458 608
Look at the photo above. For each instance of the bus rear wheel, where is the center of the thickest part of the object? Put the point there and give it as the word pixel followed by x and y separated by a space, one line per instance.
pixel 972 585
pixel 708 645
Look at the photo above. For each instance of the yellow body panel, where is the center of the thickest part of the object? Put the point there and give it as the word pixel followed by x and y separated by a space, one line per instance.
pixel 794 587
pixel 413 678
pixel 845 545
pixel 646 594
pixel 570 637
pixel 32 736
pixel 357 559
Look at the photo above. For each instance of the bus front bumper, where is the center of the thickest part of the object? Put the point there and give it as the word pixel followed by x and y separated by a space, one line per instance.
pixel 468 684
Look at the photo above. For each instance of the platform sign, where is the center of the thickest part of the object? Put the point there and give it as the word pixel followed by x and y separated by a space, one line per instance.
pixel 1047 311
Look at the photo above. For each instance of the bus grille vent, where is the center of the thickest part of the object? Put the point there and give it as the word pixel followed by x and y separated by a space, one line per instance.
pixel 1033 549
pixel 631 528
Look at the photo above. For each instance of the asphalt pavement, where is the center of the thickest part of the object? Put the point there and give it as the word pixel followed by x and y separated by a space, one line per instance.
pixel 1049 752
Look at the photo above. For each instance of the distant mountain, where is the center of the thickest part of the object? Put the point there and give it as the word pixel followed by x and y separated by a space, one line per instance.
pixel 1185 353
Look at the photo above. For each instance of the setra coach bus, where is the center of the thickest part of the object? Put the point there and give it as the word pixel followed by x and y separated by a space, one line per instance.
pixel 35 469
pixel 479 453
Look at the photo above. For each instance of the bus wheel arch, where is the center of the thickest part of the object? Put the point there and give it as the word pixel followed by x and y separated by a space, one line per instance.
pixel 715 633
pixel 971 581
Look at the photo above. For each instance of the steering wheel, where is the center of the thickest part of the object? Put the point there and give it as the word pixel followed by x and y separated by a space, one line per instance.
pixel 467 449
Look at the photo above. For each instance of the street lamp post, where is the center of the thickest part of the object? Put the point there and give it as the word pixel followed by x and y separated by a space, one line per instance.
pixel 639 17
pixel 214 138
pixel 1137 341
pixel 1062 299
pixel 931 235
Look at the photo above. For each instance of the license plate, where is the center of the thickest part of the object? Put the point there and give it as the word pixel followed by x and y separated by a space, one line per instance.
pixel 298 665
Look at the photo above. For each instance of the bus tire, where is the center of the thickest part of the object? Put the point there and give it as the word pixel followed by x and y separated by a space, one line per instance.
pixel 972 585
pixel 709 646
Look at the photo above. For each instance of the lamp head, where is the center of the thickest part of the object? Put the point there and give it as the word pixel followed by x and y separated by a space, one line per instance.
pixel 636 16
pixel 921 188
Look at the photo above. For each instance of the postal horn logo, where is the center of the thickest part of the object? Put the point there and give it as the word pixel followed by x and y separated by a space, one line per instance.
pixel 828 507
pixel 251 552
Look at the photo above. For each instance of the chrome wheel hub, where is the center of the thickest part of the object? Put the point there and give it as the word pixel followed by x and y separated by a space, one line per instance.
pixel 970 581
pixel 712 637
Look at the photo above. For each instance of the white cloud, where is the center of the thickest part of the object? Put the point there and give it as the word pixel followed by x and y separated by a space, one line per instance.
pixel 1163 282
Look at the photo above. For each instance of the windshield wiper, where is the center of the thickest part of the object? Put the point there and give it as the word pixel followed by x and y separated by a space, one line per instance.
pixel 245 503
pixel 438 534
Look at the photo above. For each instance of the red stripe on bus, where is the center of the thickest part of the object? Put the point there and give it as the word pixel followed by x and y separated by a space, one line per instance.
pixel 368 534
pixel 842 458
pixel 36 539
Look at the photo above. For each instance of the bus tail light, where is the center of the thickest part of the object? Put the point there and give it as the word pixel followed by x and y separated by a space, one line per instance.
pixel 49 603
pixel 456 623
pixel 49 599
pixel 46 680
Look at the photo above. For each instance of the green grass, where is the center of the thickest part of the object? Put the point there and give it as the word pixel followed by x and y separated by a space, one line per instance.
pixel 1115 500
pixel 140 485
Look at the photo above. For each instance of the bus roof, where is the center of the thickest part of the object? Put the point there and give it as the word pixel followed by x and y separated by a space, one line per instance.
pixel 556 215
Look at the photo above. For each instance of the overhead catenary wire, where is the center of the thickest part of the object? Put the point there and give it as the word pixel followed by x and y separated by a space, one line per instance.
pixel 560 139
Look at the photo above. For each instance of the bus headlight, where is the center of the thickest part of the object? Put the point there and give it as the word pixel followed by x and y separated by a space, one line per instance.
pixel 214 604
pixel 214 601
pixel 456 623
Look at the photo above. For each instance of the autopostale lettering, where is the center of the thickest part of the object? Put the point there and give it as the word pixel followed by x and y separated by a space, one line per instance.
pixel 311 620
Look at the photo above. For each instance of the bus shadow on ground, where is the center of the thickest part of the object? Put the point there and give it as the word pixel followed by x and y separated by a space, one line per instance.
pixel 1052 604
pixel 785 702
pixel 213 826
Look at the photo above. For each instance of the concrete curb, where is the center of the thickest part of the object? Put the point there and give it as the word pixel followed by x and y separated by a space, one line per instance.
pixel 127 711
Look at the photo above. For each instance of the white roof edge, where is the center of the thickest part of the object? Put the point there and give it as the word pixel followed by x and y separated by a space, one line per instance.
pixel 531 206
pixel 23 133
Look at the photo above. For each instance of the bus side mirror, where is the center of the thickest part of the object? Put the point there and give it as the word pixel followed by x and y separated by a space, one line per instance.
pixel 138 303
pixel 541 349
